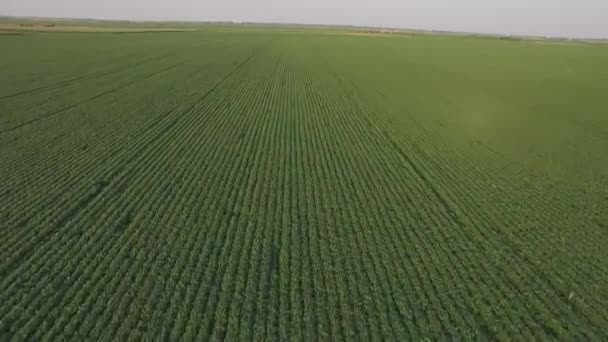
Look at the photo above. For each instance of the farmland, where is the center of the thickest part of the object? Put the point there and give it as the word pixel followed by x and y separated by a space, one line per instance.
pixel 284 185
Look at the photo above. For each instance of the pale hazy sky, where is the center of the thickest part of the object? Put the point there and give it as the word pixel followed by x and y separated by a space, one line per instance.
pixel 573 18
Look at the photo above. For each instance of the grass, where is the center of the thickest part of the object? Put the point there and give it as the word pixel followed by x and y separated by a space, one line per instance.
pixel 267 185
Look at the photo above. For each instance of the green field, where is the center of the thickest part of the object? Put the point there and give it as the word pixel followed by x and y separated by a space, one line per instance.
pixel 268 184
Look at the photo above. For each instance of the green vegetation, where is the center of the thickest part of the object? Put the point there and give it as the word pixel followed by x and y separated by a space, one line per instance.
pixel 307 186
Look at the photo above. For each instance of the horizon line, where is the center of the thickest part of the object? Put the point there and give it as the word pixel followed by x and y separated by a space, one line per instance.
pixel 236 22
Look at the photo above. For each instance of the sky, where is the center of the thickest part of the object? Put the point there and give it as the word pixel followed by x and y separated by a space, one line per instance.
pixel 563 18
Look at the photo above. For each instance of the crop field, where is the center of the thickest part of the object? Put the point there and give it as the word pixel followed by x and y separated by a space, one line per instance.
pixel 285 185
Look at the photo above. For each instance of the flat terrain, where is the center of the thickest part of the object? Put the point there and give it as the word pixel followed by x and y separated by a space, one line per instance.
pixel 45 27
pixel 271 185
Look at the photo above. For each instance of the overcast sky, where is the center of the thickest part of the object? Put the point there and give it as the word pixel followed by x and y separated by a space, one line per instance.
pixel 573 18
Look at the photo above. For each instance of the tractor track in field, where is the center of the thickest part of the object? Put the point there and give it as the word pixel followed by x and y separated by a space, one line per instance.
pixel 83 77
pixel 88 100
